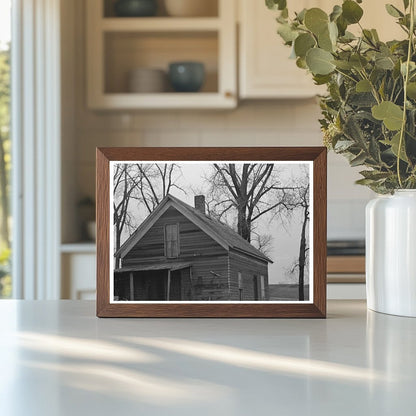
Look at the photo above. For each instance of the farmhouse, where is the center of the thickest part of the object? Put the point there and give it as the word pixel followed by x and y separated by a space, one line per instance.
pixel 179 253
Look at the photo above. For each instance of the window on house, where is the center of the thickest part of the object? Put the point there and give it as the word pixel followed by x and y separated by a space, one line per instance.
pixel 240 285
pixel 262 288
pixel 172 240
pixel 256 287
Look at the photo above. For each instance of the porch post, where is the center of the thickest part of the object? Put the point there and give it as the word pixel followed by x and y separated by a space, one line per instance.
pixel 168 288
pixel 131 286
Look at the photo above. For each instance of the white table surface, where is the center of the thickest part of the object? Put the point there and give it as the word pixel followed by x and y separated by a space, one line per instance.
pixel 57 358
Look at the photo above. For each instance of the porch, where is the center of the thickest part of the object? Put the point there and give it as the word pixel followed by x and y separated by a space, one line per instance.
pixel 153 282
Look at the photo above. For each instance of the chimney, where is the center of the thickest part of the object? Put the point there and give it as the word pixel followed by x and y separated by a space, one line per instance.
pixel 199 202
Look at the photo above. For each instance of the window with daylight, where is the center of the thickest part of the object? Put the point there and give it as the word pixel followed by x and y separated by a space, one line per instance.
pixel 172 240
pixel 5 145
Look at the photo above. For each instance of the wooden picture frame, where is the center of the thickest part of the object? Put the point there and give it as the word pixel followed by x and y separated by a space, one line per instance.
pixel 109 305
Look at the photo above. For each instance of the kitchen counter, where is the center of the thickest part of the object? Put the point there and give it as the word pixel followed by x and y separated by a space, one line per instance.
pixel 57 358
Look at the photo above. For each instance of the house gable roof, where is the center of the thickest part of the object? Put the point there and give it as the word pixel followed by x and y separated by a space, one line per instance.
pixel 219 232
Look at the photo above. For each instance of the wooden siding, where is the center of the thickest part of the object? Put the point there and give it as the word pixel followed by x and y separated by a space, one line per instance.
pixel 249 267
pixel 213 275
pixel 194 242
pixel 210 278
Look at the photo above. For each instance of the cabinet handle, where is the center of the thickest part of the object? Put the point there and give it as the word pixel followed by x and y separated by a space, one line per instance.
pixel 229 94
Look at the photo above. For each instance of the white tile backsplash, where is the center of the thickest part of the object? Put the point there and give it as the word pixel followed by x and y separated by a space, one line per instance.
pixel 258 123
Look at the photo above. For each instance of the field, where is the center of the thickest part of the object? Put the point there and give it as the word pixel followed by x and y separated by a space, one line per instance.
pixel 286 292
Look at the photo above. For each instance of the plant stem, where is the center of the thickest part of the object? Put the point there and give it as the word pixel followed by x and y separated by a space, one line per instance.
pixel 406 80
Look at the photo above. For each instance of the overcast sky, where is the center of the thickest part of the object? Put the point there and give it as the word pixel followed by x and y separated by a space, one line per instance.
pixel 286 237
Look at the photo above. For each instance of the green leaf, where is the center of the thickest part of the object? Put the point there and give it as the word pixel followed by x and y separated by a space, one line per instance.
pixel 358 160
pixel 287 33
pixel 388 112
pixel 394 145
pixel 358 61
pixel 368 36
pixel 351 11
pixel 384 62
pixel 301 15
pixel 343 145
pixel 336 12
pixel 333 32
pixel 406 4
pixel 316 20
pixel 342 25
pixel 319 61
pixel 363 86
pixel 321 79
pixel 393 11
pixel 374 175
pixel 303 43
pixel 412 67
pixel 276 4
pixel 325 42
pixel 345 65
pixel 411 90
pixel 301 63
pixel 347 37
pixel 365 182
pixel 375 35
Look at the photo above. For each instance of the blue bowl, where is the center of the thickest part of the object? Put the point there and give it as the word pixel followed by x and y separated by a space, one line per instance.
pixel 135 8
pixel 186 76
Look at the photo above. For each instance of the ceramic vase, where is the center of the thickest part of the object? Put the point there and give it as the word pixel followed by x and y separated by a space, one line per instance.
pixel 391 253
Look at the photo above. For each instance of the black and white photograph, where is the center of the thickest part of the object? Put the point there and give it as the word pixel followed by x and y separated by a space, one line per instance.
pixel 211 232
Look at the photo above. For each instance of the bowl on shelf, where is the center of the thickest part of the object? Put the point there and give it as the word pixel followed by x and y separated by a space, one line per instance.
pixel 135 8
pixel 147 80
pixel 191 8
pixel 186 76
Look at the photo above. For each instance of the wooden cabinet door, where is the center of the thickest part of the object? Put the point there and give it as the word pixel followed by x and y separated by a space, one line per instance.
pixel 265 68
pixel 266 71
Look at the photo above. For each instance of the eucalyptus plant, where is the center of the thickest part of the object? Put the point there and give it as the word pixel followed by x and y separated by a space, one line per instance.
pixel 369 111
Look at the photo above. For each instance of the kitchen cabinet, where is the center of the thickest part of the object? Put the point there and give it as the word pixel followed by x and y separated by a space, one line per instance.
pixel 118 45
pixel 78 263
pixel 265 70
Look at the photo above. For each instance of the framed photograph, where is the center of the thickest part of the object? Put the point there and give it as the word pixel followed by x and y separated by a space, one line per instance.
pixel 211 232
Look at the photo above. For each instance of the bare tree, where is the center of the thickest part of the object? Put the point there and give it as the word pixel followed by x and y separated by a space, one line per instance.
pixel 147 185
pixel 124 186
pixel 304 205
pixel 263 242
pixel 301 202
pixel 155 181
pixel 250 190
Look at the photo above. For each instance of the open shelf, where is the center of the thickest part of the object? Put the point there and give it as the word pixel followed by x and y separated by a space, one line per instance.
pixel 210 7
pixel 126 51
pixel 160 24
pixel 167 100
pixel 119 45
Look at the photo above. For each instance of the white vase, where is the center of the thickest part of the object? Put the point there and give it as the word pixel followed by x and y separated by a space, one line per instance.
pixel 391 253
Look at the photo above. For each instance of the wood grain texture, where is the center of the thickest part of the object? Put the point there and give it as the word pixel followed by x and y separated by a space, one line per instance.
pixel 317 309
